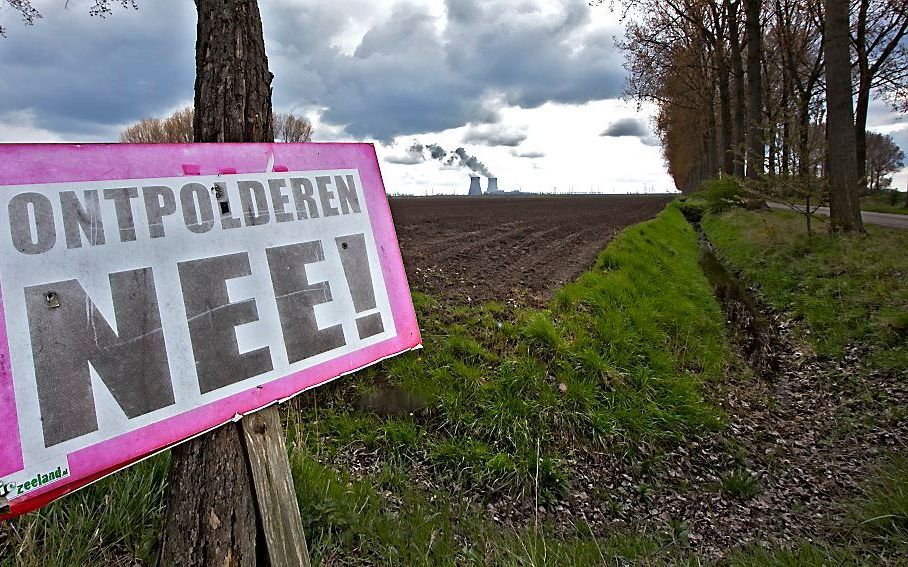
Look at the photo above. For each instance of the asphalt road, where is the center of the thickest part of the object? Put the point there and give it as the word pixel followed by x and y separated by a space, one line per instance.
pixel 881 219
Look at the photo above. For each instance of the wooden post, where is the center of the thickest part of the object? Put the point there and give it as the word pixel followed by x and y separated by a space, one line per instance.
pixel 275 496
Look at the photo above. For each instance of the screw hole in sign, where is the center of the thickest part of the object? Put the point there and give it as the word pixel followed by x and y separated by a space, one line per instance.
pixel 53 300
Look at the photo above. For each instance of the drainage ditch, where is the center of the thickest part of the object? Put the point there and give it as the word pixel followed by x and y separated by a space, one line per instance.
pixel 749 320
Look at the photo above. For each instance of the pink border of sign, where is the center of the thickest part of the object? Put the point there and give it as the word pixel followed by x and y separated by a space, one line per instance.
pixel 22 164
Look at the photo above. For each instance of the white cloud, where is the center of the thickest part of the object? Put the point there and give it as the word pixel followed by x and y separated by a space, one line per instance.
pixel 19 126
pixel 576 157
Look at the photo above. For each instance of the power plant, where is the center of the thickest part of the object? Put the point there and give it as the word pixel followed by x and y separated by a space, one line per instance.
pixel 493 185
pixel 475 189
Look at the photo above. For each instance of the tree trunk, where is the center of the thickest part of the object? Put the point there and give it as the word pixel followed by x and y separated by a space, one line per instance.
pixel 712 161
pixel 807 214
pixel 725 137
pixel 860 129
pixel 863 101
pixel 770 131
pixel 786 122
pixel 738 102
pixel 232 84
pixel 844 204
pixel 211 518
pixel 805 168
pixel 755 146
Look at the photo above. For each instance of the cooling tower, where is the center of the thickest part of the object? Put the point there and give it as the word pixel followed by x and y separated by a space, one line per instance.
pixel 493 185
pixel 475 189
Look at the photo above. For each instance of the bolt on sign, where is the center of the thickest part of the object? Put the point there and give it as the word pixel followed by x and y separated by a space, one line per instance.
pixel 153 292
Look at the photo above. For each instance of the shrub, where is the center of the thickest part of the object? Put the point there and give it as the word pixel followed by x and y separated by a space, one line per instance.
pixel 722 194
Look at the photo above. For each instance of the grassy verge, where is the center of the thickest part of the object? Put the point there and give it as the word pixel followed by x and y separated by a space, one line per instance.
pixel 394 465
pixel 501 402
pixel 843 289
pixel 618 359
pixel 893 203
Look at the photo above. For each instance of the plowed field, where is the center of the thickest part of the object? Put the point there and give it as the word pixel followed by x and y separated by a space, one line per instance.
pixel 508 249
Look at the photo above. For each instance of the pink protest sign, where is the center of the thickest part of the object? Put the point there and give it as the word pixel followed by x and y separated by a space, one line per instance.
pixel 153 292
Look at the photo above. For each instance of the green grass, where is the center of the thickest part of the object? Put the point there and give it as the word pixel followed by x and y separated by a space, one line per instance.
pixel 619 358
pixel 348 521
pixel 739 483
pixel 843 289
pixel 116 521
pixel 889 202
pixel 882 511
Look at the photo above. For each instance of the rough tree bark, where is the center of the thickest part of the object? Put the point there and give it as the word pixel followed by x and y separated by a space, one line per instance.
pixel 211 517
pixel 863 101
pixel 755 147
pixel 738 102
pixel 844 198
pixel 711 138
pixel 233 83
pixel 786 120
pixel 726 150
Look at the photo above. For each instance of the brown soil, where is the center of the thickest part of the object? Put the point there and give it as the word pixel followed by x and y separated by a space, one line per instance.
pixel 514 249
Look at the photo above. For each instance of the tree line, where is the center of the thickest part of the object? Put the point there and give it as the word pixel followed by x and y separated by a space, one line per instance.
pixel 775 91
pixel 179 128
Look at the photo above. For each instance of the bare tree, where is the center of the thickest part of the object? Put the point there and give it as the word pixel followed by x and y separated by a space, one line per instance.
pixel 881 61
pixel 755 143
pixel 178 128
pixel 675 49
pixel 800 35
pixel 290 128
pixel 884 158
pixel 739 105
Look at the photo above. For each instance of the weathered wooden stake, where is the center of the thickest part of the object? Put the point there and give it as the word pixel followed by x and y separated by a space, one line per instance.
pixel 275 496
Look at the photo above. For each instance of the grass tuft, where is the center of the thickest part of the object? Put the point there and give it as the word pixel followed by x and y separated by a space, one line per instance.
pixel 739 483
pixel 882 510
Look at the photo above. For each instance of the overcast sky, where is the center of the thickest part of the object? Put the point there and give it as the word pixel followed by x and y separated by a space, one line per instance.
pixel 530 89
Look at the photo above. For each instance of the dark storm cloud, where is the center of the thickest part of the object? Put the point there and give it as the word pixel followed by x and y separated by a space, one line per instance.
pixel 494 135
pixel 631 127
pixel 405 76
pixel 402 73
pixel 83 76
pixel 626 127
